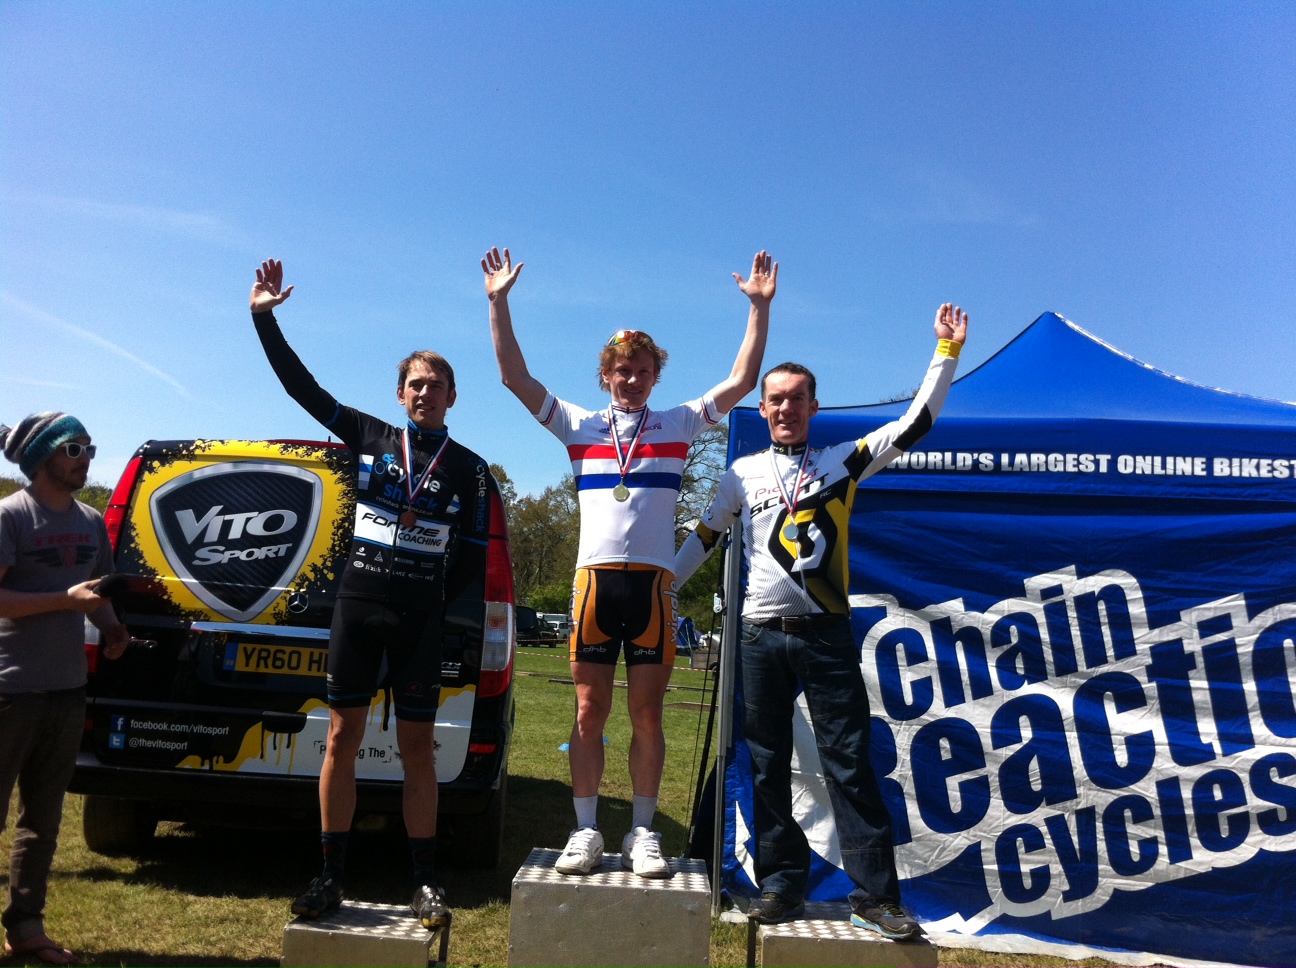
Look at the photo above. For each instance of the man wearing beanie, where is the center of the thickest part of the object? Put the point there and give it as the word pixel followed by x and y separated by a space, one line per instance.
pixel 53 551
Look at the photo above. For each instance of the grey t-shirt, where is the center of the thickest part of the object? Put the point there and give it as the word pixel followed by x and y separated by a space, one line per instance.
pixel 47 551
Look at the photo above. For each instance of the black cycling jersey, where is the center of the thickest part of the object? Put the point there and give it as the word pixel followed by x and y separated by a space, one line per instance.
pixel 417 565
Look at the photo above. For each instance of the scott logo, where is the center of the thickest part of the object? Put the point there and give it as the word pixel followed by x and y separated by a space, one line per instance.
pixel 237 533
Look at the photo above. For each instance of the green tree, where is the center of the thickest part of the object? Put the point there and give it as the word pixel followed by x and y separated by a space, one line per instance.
pixel 95 495
pixel 508 490
pixel 543 537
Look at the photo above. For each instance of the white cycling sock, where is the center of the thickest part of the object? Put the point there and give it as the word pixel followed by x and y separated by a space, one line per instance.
pixel 586 811
pixel 644 810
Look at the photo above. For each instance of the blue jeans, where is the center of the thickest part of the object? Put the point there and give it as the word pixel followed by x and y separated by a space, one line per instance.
pixel 827 663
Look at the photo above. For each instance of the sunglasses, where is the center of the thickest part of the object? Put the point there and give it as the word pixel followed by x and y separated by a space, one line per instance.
pixel 75 450
pixel 630 336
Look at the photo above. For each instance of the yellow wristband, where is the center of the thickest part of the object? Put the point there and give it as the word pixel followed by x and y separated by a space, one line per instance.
pixel 947 347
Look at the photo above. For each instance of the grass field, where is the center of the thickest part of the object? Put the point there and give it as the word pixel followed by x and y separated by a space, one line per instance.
pixel 205 896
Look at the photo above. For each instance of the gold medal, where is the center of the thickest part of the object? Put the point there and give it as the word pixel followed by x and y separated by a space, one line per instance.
pixel 621 492
pixel 408 519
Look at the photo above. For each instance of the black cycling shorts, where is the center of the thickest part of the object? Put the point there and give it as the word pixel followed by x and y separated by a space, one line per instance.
pixel 363 634
pixel 629 606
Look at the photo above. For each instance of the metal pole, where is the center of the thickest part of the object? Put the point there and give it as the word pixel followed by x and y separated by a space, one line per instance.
pixel 725 689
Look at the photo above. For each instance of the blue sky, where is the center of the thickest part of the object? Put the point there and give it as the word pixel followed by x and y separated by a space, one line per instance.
pixel 1128 166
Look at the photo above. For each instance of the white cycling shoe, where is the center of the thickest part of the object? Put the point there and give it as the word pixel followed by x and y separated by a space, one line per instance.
pixel 641 853
pixel 583 853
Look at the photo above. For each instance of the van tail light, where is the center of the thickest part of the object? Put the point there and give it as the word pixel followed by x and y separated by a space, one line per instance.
pixel 115 512
pixel 498 633
pixel 91 648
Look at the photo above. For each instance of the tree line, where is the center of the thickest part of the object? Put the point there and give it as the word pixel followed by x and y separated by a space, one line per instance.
pixel 95 495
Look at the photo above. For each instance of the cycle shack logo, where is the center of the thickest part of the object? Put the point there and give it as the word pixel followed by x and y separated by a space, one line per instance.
pixel 236 534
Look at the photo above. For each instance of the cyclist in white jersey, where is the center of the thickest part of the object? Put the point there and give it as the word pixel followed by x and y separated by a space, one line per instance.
pixel 628 462
pixel 794 504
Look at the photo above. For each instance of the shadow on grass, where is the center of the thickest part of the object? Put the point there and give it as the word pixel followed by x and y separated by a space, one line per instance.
pixel 128 957
pixel 206 861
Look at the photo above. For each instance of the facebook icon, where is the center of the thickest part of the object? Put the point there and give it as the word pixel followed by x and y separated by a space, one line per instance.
pixel 118 723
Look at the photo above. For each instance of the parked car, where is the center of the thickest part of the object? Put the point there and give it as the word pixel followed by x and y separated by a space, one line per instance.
pixel 530 630
pixel 232 552
pixel 559 625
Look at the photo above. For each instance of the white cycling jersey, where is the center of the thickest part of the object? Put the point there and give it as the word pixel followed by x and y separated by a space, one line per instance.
pixel 640 529
pixel 805 569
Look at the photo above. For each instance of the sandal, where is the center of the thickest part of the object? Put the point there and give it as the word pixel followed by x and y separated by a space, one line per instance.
pixel 40 948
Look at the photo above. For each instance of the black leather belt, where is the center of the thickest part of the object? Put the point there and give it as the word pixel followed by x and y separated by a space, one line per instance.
pixel 801 623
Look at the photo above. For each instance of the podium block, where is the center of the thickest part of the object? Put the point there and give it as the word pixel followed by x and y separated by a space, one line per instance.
pixel 609 917
pixel 365 934
pixel 838 943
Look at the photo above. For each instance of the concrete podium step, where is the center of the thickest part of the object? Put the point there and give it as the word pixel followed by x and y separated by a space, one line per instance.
pixel 609 917
pixel 363 934
pixel 832 943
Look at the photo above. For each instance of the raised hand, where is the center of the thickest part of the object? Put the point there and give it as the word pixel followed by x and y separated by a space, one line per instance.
pixel 266 293
pixel 951 323
pixel 500 273
pixel 764 278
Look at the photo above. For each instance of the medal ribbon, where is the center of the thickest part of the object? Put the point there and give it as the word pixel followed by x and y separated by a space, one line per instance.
pixel 624 465
pixel 790 502
pixel 407 453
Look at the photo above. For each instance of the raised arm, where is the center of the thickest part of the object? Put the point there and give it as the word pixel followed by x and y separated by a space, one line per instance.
pixel 267 293
pixel 889 441
pixel 500 276
pixel 759 288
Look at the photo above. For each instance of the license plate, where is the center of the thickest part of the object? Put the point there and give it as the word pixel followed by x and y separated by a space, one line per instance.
pixel 283 660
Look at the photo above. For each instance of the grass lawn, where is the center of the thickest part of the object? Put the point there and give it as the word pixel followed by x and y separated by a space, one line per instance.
pixel 206 896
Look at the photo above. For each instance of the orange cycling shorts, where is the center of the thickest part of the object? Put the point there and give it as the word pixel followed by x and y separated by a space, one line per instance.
pixel 628 606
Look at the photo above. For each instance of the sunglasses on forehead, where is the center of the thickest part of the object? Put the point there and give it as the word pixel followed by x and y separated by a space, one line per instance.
pixel 630 336
pixel 75 450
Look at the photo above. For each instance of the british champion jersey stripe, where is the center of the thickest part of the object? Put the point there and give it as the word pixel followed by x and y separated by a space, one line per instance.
pixel 678 451
pixel 640 530
pixel 633 480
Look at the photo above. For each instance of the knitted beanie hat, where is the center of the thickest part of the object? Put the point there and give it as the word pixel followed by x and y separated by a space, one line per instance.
pixel 37 436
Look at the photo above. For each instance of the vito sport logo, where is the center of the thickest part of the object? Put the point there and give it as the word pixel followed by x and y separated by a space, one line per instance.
pixel 237 533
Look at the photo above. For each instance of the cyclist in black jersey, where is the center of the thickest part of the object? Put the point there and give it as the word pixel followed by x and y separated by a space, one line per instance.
pixel 421 525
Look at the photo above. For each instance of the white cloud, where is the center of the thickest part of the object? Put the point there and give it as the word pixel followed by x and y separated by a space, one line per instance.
pixel 191 225
pixel 32 312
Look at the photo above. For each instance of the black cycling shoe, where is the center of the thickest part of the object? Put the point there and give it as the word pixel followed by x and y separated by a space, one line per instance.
pixel 886 918
pixel 429 906
pixel 774 909
pixel 323 895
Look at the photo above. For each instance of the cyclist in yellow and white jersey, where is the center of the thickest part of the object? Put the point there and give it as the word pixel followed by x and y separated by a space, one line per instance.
pixel 794 503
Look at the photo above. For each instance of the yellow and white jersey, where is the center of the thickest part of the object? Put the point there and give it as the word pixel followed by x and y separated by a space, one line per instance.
pixel 799 563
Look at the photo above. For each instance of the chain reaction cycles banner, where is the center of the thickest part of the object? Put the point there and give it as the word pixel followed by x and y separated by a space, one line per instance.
pixel 1076 608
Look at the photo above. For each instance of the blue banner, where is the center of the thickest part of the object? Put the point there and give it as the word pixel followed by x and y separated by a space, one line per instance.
pixel 1078 633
